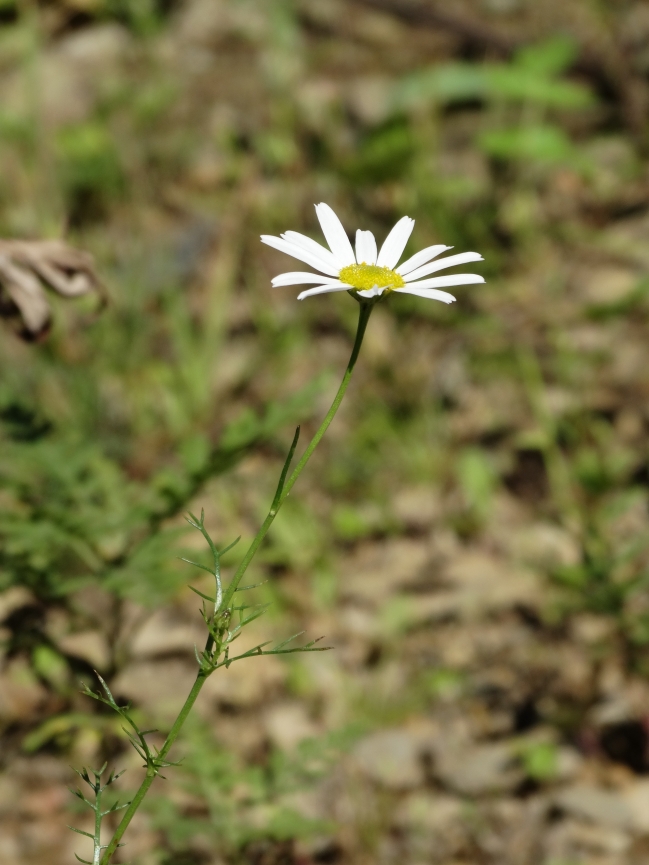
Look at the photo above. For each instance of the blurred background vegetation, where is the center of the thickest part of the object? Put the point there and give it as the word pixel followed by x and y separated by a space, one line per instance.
pixel 488 470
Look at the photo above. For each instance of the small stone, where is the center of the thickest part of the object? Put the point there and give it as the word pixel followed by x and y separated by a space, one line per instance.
pixel 416 507
pixel 21 694
pixel 8 790
pixel 482 583
pixel 90 646
pixel 307 803
pixel 10 849
pixel 369 99
pixel 202 23
pixel 612 678
pixel 545 546
pixel 627 238
pixel 608 285
pixel 13 599
pixel 391 758
pixel 376 570
pixel 317 99
pixel 569 763
pixel 288 724
pixel 249 683
pixel 591 629
pixel 614 710
pixel 160 688
pixel 77 69
pixel 425 811
pixel 478 770
pixel 432 821
pixel 596 805
pixel 165 632
pixel 637 798
pixel 92 601
pixel 629 424
pixel 358 622
pixel 572 841
pixel 574 671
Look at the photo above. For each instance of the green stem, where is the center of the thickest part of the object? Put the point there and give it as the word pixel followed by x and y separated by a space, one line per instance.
pixel 151 771
pixel 96 857
pixel 363 317
pixel 559 476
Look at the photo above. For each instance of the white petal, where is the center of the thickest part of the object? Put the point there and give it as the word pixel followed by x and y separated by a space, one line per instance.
pixel 324 289
pixel 301 278
pixel 444 281
pixel 428 293
pixel 395 243
pixel 365 247
pixel 443 263
pixel 372 292
pixel 333 230
pixel 421 258
pixel 311 246
pixel 298 252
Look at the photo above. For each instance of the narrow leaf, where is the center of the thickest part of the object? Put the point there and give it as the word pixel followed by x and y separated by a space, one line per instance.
pixel 252 617
pixel 229 546
pixel 286 642
pixel 81 832
pixel 253 586
pixel 200 594
pixel 197 565
pixel 287 464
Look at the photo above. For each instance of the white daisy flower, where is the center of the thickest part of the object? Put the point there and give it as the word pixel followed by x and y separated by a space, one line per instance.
pixel 367 271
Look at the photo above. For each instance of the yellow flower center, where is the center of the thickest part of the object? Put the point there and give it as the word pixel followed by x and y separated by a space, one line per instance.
pixel 364 276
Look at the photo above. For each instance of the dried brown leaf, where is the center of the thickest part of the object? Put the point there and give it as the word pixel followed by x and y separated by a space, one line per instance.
pixel 28 265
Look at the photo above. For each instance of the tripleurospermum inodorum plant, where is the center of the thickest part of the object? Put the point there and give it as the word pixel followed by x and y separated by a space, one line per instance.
pixel 369 275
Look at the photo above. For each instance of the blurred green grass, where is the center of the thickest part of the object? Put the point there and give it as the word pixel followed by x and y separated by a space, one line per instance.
pixel 168 170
